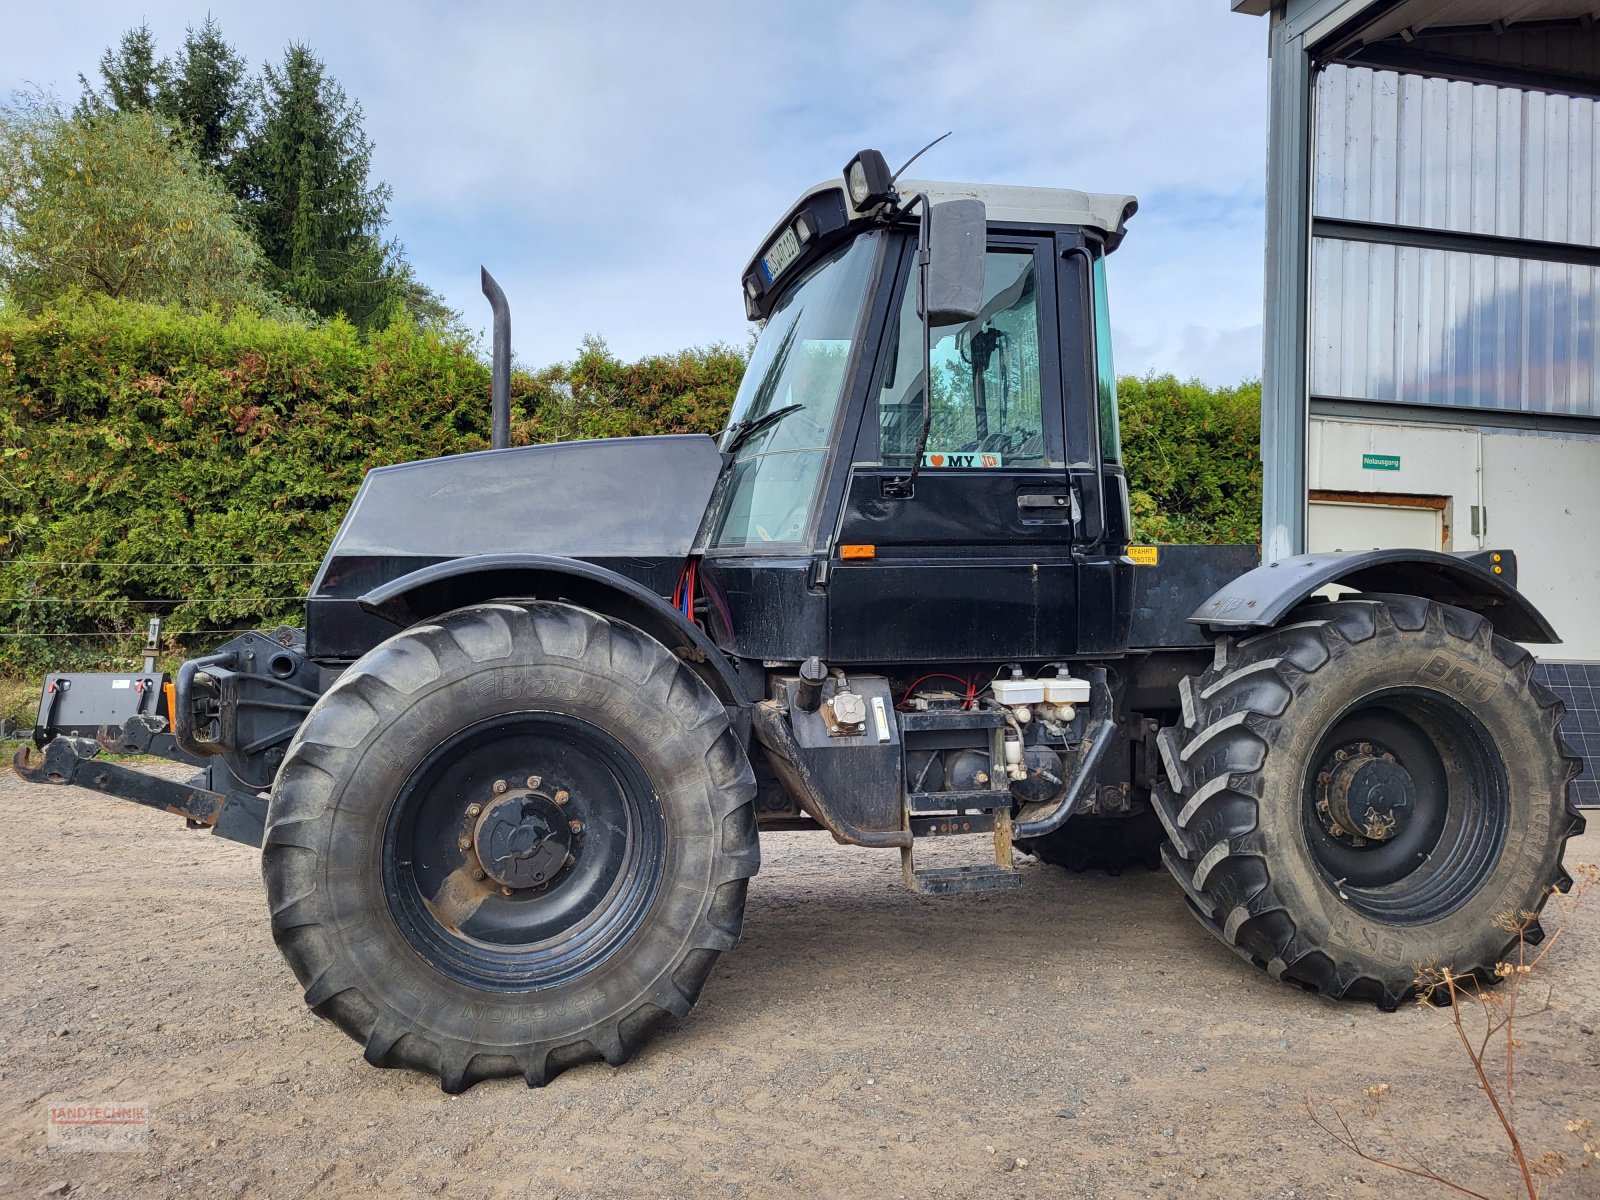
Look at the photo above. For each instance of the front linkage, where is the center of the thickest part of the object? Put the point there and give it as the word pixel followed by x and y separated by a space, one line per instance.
pixel 235 814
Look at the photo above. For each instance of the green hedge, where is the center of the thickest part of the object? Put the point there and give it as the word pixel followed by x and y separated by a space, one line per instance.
pixel 1194 459
pixel 200 465
pixel 135 434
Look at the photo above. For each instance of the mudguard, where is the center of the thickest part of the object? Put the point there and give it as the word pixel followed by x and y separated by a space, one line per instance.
pixel 1482 581
pixel 427 592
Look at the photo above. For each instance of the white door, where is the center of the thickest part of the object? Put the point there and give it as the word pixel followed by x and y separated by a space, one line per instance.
pixel 1358 525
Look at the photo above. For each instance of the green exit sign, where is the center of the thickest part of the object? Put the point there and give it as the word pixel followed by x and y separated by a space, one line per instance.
pixel 1380 462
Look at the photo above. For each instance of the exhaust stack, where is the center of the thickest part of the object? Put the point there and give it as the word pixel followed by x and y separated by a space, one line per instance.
pixel 500 391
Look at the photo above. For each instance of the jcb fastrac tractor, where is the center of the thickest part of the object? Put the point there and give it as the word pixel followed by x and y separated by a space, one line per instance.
pixel 509 780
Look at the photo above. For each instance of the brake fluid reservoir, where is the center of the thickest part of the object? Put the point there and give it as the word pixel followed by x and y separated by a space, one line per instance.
pixel 1064 689
pixel 1020 691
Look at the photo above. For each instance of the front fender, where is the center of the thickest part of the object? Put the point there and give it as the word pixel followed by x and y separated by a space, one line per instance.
pixel 425 593
pixel 1259 599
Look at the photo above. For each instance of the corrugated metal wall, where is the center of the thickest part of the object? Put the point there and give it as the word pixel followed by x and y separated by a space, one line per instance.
pixel 1437 326
pixel 1425 326
pixel 1447 155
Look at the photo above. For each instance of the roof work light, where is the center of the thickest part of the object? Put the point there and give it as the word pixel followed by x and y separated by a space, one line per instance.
pixel 867 179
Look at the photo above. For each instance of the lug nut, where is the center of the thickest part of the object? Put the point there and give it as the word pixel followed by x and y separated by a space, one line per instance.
pixel 474 809
pixel 500 786
pixel 575 826
pixel 463 843
pixel 477 873
pixel 562 797
pixel 533 781
pixel 505 891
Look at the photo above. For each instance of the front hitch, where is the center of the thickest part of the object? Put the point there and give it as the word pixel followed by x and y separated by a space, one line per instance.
pixel 74 762
pixel 70 762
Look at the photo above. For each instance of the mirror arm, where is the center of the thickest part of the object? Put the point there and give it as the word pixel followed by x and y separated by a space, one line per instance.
pixel 905 485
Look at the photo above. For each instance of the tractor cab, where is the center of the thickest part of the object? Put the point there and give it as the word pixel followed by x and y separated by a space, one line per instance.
pixel 875 443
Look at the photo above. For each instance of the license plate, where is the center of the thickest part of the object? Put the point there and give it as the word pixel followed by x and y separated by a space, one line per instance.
pixel 783 252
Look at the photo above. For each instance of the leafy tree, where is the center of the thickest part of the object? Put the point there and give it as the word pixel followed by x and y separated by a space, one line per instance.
pixel 208 95
pixel 132 77
pixel 112 206
pixel 304 179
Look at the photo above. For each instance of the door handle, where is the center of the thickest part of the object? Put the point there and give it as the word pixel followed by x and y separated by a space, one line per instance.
pixel 1048 507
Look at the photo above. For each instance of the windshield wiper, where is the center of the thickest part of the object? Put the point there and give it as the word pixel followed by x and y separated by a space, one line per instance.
pixel 742 431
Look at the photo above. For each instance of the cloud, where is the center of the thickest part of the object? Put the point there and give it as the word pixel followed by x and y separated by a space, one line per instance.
pixel 615 164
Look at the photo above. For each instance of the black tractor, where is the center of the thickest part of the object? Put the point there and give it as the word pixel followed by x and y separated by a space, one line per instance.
pixel 509 779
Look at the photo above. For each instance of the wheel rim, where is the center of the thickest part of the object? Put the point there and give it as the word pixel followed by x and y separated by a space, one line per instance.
pixel 1405 805
pixel 523 851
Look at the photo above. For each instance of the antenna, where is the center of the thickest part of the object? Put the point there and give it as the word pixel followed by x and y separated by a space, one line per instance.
pixel 918 155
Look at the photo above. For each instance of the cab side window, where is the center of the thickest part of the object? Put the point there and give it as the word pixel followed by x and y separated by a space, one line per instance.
pixel 987 397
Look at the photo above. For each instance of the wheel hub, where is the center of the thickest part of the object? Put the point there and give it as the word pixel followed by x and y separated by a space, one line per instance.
pixel 1364 794
pixel 523 839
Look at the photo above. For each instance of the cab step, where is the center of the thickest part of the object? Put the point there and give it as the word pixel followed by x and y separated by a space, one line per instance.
pixel 999 876
pixel 949 881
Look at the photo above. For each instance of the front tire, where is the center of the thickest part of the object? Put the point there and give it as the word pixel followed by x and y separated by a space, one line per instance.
pixel 509 841
pixel 1367 790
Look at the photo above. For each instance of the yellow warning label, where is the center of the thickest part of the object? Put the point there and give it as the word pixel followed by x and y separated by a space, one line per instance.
pixel 1144 556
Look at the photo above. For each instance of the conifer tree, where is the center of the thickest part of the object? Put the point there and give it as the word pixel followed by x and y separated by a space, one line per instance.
pixel 131 76
pixel 303 177
pixel 208 95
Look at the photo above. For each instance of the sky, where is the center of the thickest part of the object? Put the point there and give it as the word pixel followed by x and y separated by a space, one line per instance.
pixel 616 164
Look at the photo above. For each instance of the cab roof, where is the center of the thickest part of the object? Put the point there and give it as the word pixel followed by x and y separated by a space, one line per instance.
pixel 1035 205
pixel 831 218
pixel 1105 211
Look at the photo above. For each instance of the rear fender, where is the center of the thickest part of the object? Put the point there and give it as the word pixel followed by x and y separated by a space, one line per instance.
pixel 476 579
pixel 1483 582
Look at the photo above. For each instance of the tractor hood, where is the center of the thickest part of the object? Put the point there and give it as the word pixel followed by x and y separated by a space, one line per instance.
pixel 630 504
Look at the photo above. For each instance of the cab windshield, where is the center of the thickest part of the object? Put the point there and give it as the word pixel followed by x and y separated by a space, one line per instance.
pixel 782 419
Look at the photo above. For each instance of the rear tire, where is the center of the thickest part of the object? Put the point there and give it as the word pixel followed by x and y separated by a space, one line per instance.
pixel 1408 719
pixel 600 870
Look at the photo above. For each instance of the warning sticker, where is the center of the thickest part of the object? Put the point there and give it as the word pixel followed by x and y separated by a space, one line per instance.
pixel 1144 556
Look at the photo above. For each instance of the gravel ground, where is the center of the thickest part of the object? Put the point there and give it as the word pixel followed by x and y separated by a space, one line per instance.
pixel 1079 1037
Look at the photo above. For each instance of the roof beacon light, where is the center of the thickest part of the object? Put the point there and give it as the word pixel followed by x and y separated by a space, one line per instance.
pixel 867 179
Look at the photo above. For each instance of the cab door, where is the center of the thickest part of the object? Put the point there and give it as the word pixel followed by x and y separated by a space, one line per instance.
pixel 976 564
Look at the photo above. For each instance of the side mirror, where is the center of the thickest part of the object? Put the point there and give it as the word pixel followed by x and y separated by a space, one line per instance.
pixel 953 240
pixel 950 251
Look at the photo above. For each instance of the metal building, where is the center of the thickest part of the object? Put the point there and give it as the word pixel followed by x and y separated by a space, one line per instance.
pixel 1432 324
